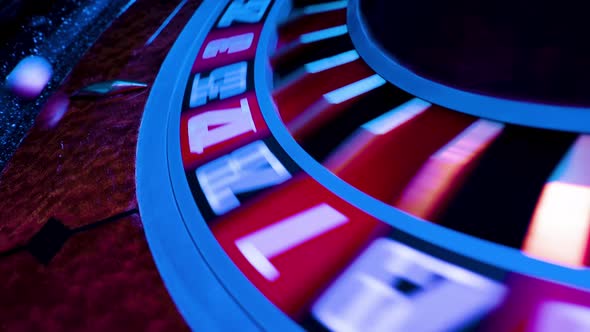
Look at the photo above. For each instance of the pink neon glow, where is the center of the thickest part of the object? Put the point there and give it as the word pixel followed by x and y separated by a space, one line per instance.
pixel 561 316
pixel 53 111
pixel 433 184
pixel 560 226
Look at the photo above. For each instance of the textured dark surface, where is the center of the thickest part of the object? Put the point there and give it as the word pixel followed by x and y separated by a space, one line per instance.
pixel 58 30
pixel 103 279
pixel 81 174
pixel 84 169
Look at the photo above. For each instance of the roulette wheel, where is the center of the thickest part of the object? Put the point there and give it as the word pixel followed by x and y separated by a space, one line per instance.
pixel 280 165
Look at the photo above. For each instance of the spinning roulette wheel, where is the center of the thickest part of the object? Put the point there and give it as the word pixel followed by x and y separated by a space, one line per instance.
pixel 286 165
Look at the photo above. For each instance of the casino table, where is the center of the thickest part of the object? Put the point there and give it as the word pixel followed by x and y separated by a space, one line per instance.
pixel 289 165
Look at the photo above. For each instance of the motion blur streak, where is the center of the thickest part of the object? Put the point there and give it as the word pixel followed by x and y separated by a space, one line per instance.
pixel 434 184
pixel 392 287
pixel 560 316
pixel 561 222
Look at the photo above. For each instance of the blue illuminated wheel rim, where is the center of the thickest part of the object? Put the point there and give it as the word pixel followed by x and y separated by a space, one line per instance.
pixel 197 271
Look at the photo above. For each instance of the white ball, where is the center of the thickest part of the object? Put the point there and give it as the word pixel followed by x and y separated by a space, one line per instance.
pixel 29 77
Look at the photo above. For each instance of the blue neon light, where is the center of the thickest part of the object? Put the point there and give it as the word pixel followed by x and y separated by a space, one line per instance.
pixel 324 7
pixel 354 89
pixel 328 33
pixel 331 62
